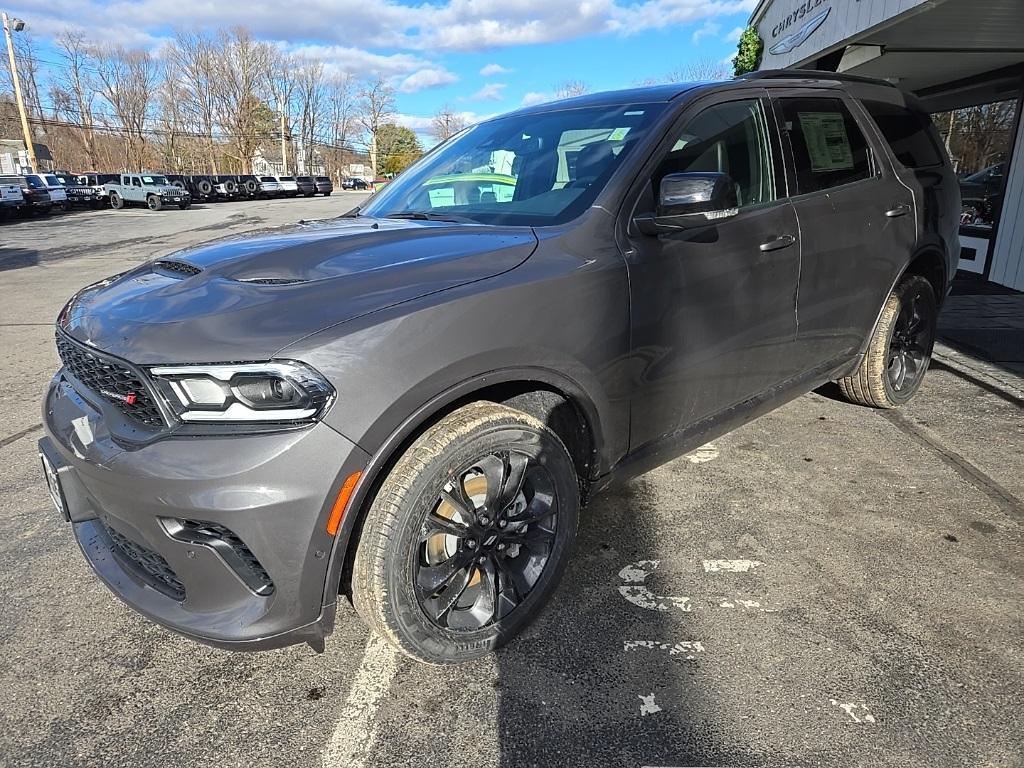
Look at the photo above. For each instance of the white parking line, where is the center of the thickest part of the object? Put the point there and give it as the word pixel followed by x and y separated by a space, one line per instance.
pixel 685 647
pixel 634 575
pixel 647 705
pixel 355 734
pixel 702 455
pixel 859 713
pixel 731 566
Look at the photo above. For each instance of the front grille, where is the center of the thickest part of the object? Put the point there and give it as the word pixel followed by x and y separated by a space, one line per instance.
pixel 149 565
pixel 182 268
pixel 115 383
pixel 231 548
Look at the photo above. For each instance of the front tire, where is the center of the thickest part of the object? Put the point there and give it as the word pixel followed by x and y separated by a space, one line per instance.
pixel 900 348
pixel 468 536
pixel 154 203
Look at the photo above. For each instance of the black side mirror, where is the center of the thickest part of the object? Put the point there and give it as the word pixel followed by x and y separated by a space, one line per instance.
pixel 690 199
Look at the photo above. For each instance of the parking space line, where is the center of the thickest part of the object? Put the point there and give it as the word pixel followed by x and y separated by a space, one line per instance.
pixel 731 566
pixel 355 732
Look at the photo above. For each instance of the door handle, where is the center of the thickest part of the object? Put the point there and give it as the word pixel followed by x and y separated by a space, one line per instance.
pixel 900 210
pixel 777 243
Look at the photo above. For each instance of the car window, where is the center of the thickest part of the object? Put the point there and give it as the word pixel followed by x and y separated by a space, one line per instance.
pixel 322 179
pixel 51 180
pixel 35 182
pixel 910 134
pixel 730 138
pixel 829 149
pixel 136 181
pixel 536 168
pixel 287 178
pixel 267 178
pixel 155 180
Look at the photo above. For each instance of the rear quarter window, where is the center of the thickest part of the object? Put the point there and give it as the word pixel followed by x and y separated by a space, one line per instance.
pixel 910 134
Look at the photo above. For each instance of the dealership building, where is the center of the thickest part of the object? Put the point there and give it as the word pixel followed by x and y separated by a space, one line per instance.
pixel 965 60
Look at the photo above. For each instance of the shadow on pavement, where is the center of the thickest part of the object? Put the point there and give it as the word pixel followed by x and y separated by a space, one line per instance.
pixel 598 680
pixel 17 258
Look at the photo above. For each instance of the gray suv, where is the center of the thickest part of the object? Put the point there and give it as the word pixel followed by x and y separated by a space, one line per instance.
pixel 409 405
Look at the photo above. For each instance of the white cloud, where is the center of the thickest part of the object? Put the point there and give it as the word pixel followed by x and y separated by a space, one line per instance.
pixel 535 97
pixel 490 92
pixel 734 35
pixel 495 69
pixel 431 77
pixel 707 29
pixel 394 25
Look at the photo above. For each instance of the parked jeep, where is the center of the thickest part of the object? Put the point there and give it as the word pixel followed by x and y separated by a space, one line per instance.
pixel 152 190
pixel 248 185
pixel 78 192
pixel 98 181
pixel 409 405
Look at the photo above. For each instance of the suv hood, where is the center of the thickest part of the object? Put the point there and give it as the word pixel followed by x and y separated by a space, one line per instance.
pixel 245 298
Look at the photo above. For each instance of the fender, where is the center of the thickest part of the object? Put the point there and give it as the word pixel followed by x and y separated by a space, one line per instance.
pixel 383 455
pixel 930 250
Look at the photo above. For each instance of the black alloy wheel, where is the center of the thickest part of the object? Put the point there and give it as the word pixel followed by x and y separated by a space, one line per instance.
pixel 487 541
pixel 912 339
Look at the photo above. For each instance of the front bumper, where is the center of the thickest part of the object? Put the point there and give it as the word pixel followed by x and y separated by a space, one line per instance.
pixel 143 518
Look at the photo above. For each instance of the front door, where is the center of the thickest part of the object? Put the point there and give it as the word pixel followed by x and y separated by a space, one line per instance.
pixel 713 307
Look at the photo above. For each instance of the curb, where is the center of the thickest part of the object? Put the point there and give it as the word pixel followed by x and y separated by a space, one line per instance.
pixel 982 372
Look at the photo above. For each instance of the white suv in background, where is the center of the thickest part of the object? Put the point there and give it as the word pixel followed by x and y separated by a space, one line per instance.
pixel 289 186
pixel 58 196
pixel 270 186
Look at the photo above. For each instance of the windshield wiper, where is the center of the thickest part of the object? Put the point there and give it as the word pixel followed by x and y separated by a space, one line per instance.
pixel 430 216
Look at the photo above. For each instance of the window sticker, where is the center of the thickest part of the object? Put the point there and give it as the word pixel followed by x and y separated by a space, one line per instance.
pixel 827 141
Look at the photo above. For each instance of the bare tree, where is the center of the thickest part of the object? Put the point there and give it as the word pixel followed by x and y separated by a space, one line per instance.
pixel 282 76
pixel 312 94
pixel 571 88
pixel 446 123
pixel 74 92
pixel 700 70
pixel 194 59
pixel 340 117
pixel 241 66
pixel 127 80
pixel 376 103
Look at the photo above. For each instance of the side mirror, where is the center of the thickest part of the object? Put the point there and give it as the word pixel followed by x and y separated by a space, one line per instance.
pixel 688 200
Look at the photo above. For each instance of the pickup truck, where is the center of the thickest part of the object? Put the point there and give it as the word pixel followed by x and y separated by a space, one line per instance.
pixel 152 190
pixel 11 199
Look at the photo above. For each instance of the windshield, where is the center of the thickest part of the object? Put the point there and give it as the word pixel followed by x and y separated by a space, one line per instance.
pixel 533 169
pixel 155 180
pixel 35 182
pixel 52 181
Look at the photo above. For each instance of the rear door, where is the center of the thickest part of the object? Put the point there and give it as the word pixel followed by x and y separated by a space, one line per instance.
pixel 856 220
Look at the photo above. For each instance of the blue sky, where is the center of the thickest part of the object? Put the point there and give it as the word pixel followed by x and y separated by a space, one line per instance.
pixel 480 57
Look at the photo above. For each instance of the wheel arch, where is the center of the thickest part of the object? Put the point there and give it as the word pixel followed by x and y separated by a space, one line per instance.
pixel 548 395
pixel 929 263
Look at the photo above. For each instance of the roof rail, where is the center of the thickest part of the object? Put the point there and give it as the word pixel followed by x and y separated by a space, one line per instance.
pixel 811 74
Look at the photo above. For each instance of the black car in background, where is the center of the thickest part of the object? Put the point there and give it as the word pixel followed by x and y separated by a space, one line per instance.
pixel 353 183
pixel 37 196
pixel 324 185
pixel 981 195
pixel 200 187
pixel 78 191
pixel 306 185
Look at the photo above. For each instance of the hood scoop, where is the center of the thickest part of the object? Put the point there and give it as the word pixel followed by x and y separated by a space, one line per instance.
pixel 271 280
pixel 177 268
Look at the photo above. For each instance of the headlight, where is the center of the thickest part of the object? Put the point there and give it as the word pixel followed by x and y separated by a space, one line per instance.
pixel 283 392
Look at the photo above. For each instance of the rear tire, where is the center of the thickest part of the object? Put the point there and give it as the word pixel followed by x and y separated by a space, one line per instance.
pixel 116 202
pixel 448 573
pixel 900 348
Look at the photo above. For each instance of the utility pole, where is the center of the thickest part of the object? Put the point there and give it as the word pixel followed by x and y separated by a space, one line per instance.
pixel 29 147
pixel 284 145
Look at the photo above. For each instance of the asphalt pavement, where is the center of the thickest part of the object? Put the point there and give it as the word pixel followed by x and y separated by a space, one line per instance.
pixel 829 585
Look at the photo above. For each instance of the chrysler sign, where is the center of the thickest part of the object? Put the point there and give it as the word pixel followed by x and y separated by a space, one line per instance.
pixel 811 14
